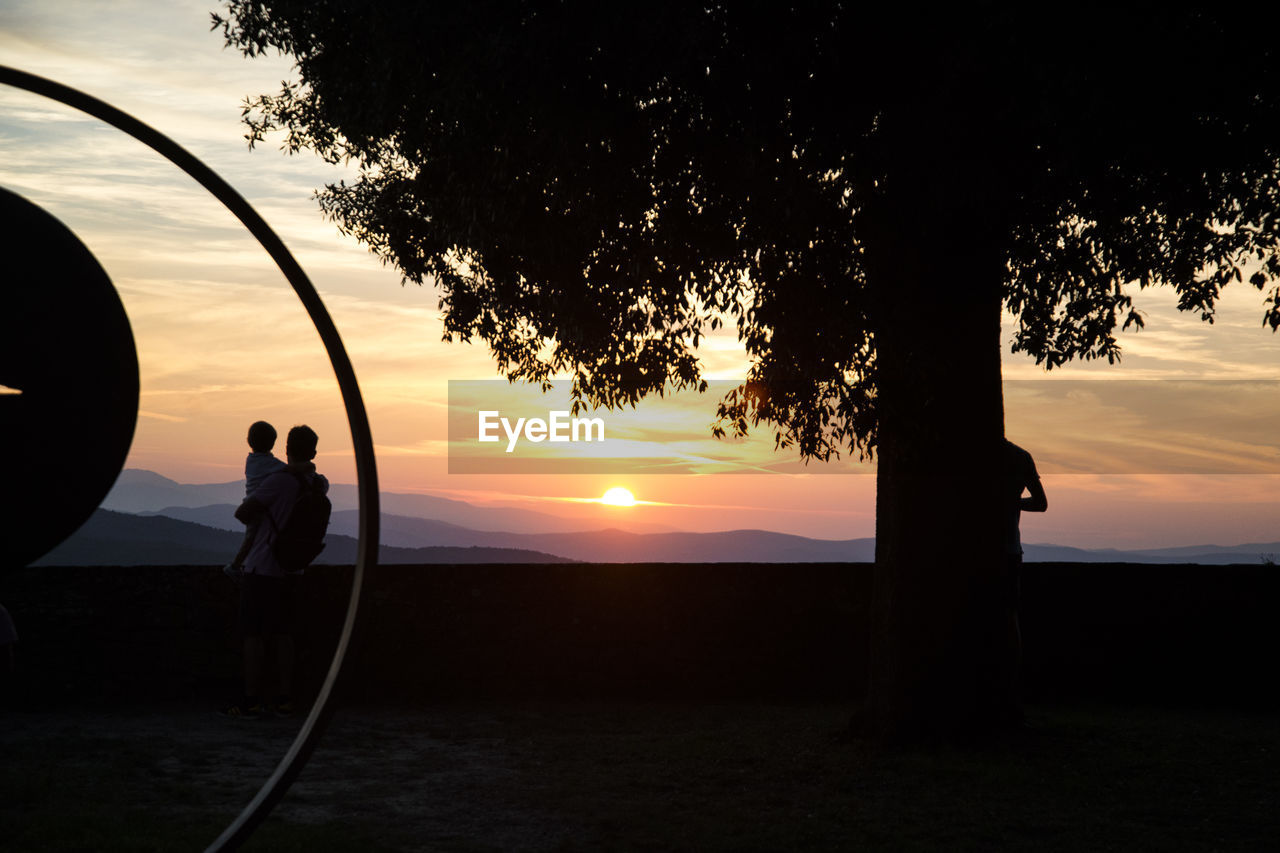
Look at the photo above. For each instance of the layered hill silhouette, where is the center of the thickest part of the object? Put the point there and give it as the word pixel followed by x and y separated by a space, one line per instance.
pixel 418 521
pixel 430 529
pixel 117 539
pixel 140 491
pixel 121 539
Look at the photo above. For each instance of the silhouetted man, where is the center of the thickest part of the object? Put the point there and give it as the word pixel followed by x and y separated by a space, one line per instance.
pixel 267 592
pixel 1020 476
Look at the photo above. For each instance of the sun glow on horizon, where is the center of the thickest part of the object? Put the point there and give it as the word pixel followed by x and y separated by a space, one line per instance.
pixel 618 496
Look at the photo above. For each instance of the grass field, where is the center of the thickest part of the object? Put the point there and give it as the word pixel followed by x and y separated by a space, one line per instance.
pixel 629 776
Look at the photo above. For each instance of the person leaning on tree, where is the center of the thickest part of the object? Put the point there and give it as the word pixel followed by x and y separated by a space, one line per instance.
pixel 1020 476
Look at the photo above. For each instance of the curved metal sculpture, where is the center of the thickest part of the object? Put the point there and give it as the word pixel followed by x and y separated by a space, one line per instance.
pixel 70 372
pixel 366 474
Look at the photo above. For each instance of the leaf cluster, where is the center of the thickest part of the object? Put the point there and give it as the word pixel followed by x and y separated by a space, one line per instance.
pixel 595 188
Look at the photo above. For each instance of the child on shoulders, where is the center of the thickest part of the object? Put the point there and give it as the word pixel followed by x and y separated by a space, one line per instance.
pixel 260 464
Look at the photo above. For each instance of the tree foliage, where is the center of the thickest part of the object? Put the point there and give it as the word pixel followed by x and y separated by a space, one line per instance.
pixel 593 187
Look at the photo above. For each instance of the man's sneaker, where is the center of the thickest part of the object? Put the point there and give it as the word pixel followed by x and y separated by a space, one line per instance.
pixel 284 707
pixel 245 710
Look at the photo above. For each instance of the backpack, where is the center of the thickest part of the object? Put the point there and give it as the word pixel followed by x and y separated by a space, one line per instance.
pixel 301 538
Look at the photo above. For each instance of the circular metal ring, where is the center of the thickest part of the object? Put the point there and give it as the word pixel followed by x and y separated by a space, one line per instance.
pixel 362 439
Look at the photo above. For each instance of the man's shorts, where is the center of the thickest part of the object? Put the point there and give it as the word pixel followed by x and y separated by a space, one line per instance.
pixel 266 605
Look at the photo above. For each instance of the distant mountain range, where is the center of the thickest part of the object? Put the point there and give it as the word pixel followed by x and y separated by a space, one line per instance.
pixel 597 546
pixel 120 539
pixel 139 491
pixel 150 519
pixel 418 521
pixel 1207 555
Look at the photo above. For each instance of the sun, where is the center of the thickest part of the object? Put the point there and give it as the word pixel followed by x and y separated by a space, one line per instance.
pixel 618 496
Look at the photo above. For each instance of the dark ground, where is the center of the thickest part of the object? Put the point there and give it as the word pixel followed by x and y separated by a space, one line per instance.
pixel 636 707
pixel 640 776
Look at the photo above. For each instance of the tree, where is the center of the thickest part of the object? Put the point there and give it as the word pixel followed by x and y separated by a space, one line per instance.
pixel 595 186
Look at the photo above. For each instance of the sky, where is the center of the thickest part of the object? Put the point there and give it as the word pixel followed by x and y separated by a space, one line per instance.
pixel 1178 445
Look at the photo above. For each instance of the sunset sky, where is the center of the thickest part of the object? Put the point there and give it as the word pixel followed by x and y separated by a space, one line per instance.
pixel 1161 458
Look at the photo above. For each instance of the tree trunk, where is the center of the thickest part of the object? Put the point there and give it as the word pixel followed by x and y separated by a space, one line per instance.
pixel 939 665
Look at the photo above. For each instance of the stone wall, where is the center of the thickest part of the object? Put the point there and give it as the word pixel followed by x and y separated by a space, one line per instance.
pixel 705 631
